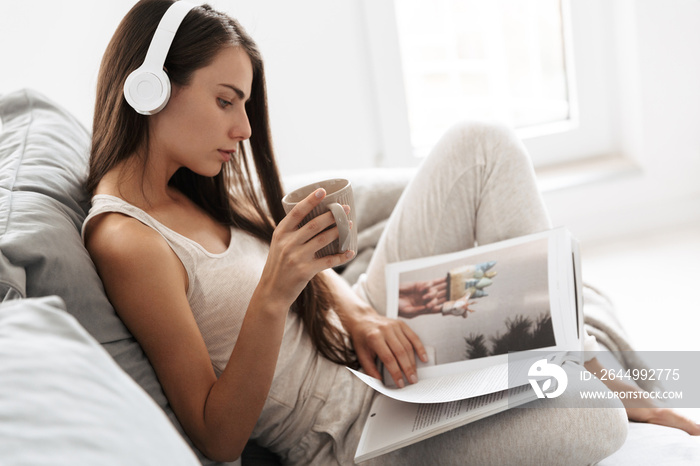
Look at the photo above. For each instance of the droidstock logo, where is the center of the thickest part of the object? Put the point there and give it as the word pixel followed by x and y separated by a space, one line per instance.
pixel 543 370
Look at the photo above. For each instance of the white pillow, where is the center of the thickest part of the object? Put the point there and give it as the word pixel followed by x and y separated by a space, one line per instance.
pixel 64 401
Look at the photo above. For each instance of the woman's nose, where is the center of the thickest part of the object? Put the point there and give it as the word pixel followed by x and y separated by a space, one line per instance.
pixel 240 127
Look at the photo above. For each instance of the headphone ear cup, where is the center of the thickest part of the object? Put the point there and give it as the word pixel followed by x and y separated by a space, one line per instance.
pixel 147 90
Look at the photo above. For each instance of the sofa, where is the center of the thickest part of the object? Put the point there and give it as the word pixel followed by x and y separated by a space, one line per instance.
pixel 75 386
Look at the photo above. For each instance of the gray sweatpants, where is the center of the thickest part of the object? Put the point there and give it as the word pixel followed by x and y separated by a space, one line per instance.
pixel 476 187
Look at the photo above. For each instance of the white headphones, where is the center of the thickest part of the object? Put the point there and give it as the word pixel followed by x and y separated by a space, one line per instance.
pixel 147 88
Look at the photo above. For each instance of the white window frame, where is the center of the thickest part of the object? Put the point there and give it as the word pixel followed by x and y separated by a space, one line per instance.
pixel 597 90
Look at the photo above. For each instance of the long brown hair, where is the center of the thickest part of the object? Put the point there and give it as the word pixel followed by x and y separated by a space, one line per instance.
pixel 231 197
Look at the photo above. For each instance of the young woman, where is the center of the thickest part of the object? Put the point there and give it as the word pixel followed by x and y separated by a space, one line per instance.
pixel 248 332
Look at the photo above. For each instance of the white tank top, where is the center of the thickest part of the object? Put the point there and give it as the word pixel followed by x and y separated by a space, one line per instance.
pixel 220 288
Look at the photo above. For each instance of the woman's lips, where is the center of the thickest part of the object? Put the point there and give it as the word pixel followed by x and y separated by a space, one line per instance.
pixel 226 155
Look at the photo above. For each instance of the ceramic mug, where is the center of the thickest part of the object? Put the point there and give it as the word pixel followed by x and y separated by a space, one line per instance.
pixel 338 194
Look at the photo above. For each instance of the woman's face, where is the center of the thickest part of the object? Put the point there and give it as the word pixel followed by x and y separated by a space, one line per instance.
pixel 203 122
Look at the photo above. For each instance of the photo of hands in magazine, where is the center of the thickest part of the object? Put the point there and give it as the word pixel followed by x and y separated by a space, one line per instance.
pixel 449 295
pixel 485 305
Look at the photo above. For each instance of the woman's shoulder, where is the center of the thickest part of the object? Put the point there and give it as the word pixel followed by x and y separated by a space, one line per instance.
pixel 118 239
pixel 116 228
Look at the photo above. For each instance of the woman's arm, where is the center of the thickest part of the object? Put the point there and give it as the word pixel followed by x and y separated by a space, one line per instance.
pixel 147 285
pixel 373 335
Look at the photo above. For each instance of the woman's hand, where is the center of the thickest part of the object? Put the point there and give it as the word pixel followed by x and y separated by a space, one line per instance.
pixel 375 336
pixel 420 298
pixel 392 341
pixel 292 260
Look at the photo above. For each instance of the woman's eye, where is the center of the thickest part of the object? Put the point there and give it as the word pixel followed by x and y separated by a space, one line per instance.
pixel 223 103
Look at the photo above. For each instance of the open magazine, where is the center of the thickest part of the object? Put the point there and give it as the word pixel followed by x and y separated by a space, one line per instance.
pixel 500 309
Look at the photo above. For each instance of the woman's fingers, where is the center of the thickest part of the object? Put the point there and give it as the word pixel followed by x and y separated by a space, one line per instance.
pixel 315 226
pixel 318 225
pixel 393 354
pixel 405 356
pixel 295 216
pixel 414 340
pixel 323 239
pixel 397 352
pixel 393 342
pixel 366 359
pixel 315 234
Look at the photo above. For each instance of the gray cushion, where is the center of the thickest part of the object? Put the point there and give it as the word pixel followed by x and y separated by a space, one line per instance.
pixel 43 159
pixel 12 280
pixel 43 164
pixel 63 400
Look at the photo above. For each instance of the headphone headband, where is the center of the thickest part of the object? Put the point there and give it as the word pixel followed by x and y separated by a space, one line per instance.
pixel 165 33
pixel 147 88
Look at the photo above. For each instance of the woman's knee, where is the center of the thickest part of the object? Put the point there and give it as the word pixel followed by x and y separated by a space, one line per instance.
pixel 613 425
pixel 480 143
pixel 577 436
pixel 599 423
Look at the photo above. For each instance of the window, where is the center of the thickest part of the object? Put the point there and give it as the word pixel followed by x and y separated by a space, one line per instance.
pixel 475 59
pixel 545 67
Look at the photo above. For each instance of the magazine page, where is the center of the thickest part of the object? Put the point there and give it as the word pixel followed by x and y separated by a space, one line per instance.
pixel 454 387
pixel 394 424
pixel 474 307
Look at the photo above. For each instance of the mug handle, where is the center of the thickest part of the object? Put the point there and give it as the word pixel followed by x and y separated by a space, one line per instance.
pixel 343 222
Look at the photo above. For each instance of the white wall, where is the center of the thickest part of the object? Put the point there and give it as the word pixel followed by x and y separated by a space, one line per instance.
pixel 322 98
pixel 320 85
pixel 56 46
pixel 658 128
pixel 316 62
